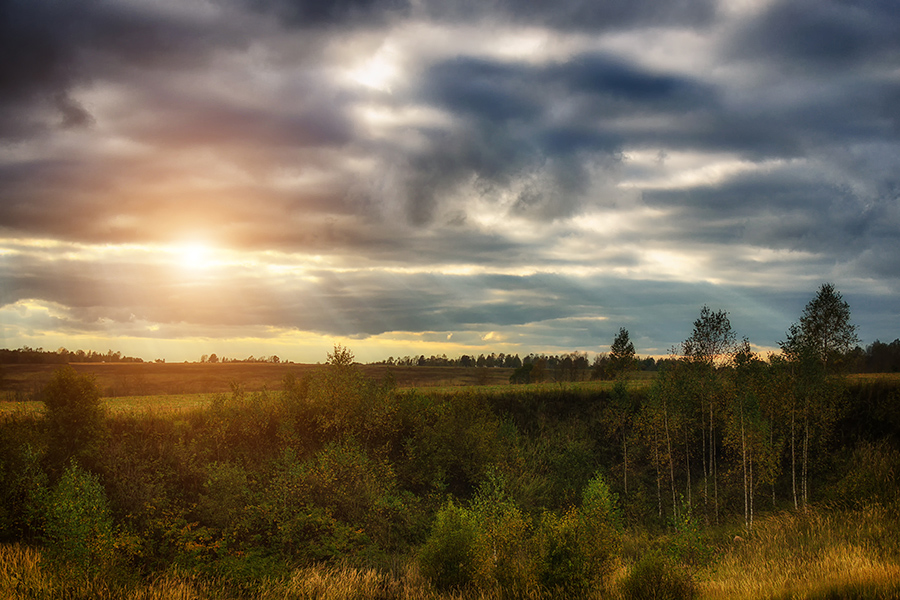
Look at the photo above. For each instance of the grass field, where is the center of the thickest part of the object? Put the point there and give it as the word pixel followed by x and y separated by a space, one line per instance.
pixel 148 379
pixel 175 386
pixel 169 386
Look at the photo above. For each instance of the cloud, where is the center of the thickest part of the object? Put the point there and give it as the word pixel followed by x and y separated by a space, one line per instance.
pixel 827 35
pixel 334 13
pixel 580 15
pixel 544 171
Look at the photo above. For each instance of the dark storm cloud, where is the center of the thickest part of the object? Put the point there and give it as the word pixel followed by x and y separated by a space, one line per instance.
pixel 824 34
pixel 48 47
pixel 325 13
pixel 508 128
pixel 794 208
pixel 607 86
pixel 580 15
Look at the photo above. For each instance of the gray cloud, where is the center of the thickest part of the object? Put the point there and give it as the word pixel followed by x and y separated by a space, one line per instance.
pixel 581 15
pixel 476 188
pixel 330 13
pixel 823 35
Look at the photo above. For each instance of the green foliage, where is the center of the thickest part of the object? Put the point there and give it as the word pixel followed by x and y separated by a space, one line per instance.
pixel 485 544
pixel 75 417
pixel 873 475
pixel 578 549
pixel 448 442
pixel 559 546
pixel 447 558
pixel 621 354
pixel 334 503
pixel 656 577
pixel 712 339
pixel 495 491
pixel 78 525
pixel 23 491
pixel 501 548
pixel 824 329
pixel 226 495
pixel 688 545
pixel 492 545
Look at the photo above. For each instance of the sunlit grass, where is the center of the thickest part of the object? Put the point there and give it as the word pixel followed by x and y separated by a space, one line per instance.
pixel 812 555
pixel 161 403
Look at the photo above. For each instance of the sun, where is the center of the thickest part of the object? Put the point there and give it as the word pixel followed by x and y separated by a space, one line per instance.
pixel 194 255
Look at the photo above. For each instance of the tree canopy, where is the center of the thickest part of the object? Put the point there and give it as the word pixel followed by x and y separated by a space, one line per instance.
pixel 824 329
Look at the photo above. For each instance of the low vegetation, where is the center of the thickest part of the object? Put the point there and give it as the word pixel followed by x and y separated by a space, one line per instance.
pixel 727 476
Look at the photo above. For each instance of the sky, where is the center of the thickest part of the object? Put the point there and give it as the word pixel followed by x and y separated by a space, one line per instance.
pixel 405 177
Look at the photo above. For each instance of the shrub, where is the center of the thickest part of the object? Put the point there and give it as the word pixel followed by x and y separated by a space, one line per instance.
pixel 656 577
pixel 562 565
pixel 78 527
pixel 23 490
pixel 447 557
pixel 578 549
pixel 75 417
pixel 873 476
pixel 689 546
pixel 502 558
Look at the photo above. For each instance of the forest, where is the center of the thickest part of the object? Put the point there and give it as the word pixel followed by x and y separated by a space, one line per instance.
pixel 728 475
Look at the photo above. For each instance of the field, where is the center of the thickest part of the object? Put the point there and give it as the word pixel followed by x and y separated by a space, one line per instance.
pixel 172 386
pixel 233 481
pixel 147 379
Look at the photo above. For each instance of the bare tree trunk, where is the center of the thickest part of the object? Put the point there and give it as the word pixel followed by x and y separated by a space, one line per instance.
pixel 751 489
pixel 744 461
pixel 793 459
pixel 712 460
pixel 705 467
pixel 671 462
pixel 772 445
pixel 658 489
pixel 805 461
pixel 625 457
pixel 687 458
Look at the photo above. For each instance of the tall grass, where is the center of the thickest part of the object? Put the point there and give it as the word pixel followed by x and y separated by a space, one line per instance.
pixel 816 554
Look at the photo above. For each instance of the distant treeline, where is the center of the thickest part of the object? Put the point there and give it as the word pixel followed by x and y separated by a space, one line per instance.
pixel 213 359
pixel 878 357
pixel 62 356
pixel 575 360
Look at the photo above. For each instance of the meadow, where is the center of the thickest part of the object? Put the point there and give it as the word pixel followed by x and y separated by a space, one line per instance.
pixel 341 481
pixel 23 382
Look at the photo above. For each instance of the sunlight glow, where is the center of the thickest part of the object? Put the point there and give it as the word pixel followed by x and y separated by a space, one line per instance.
pixel 379 71
pixel 194 255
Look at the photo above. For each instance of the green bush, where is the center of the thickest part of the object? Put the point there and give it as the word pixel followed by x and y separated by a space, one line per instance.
pixel 23 490
pixel 562 562
pixel 75 417
pixel 503 560
pixel 485 544
pixel 873 475
pixel 447 557
pixel 78 525
pixel 656 577
pixel 578 549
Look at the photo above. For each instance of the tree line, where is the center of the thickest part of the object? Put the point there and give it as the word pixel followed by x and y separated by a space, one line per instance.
pixel 26 355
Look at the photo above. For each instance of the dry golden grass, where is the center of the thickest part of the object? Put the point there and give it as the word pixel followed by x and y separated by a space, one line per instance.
pixel 20 571
pixel 797 555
